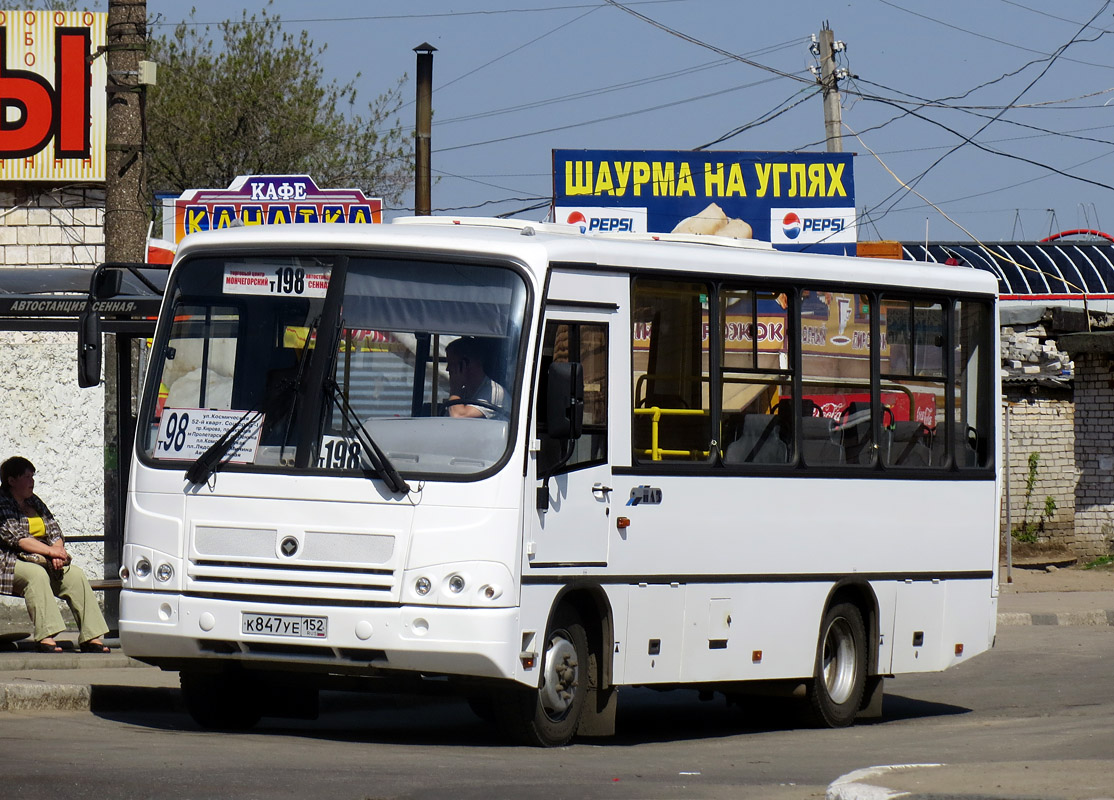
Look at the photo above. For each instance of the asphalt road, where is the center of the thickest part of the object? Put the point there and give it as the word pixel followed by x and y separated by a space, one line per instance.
pixel 1044 697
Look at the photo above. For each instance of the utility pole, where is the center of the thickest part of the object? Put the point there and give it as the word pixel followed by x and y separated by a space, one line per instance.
pixel 825 49
pixel 125 238
pixel 422 180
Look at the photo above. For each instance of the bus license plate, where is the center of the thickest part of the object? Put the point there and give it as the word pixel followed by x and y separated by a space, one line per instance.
pixel 286 625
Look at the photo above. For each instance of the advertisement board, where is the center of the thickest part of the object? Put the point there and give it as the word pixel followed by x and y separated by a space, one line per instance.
pixel 52 96
pixel 796 201
pixel 266 200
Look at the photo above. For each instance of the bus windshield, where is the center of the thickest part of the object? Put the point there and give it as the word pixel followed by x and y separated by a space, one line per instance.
pixel 419 359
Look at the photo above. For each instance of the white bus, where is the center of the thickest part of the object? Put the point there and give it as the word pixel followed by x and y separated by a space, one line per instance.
pixel 693 462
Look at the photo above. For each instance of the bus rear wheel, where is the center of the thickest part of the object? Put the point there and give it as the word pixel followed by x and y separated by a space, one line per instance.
pixel 836 690
pixel 221 701
pixel 550 715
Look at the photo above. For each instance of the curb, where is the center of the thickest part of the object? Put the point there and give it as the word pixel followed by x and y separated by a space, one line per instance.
pixel 1082 618
pixel 20 662
pixel 44 696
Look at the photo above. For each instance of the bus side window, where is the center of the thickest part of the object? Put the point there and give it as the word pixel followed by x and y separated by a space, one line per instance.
pixel 913 382
pixel 755 377
pixel 975 408
pixel 585 343
pixel 671 371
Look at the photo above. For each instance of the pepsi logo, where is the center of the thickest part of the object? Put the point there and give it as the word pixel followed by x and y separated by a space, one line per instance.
pixel 576 218
pixel 791 226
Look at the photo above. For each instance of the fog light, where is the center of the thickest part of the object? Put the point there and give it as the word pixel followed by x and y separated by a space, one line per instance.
pixel 142 568
pixel 124 572
pixel 422 586
pixel 164 573
pixel 456 584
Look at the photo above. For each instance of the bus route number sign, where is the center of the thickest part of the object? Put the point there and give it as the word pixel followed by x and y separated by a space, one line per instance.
pixel 277 281
pixel 185 433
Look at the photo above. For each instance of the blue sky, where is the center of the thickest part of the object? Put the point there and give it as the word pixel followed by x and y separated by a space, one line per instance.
pixel 514 79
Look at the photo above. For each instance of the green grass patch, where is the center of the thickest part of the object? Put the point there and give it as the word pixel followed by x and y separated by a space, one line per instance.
pixel 1101 561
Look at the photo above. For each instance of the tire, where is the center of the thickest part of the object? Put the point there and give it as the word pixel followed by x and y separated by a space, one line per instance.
pixel 550 715
pixel 221 701
pixel 835 692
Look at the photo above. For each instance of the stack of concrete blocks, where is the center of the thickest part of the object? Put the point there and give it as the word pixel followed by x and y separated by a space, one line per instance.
pixel 44 416
pixel 1030 351
pixel 1094 453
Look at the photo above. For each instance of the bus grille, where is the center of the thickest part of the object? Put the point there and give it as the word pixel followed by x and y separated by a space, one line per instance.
pixel 286 582
pixel 343 567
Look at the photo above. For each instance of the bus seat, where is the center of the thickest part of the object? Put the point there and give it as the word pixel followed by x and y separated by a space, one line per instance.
pixel 760 441
pixel 858 438
pixel 907 445
pixel 821 442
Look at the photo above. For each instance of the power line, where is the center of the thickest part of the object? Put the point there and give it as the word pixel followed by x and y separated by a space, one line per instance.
pixel 972 112
pixel 671 104
pixel 971 139
pixel 1013 45
pixel 1045 13
pixel 432 15
pixel 614 87
pixel 520 47
pixel 769 116
pixel 701 43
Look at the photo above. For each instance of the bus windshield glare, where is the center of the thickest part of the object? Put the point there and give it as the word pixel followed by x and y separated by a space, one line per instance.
pixel 420 358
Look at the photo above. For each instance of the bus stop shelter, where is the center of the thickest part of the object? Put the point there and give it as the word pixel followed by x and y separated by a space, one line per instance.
pixel 54 300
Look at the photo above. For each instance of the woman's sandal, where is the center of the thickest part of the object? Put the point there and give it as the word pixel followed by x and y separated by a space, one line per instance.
pixel 94 647
pixel 48 647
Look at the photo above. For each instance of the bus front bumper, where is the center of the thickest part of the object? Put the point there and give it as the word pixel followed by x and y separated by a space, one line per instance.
pixel 168 630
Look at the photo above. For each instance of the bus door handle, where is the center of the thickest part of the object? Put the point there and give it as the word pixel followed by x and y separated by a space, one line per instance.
pixel 599 488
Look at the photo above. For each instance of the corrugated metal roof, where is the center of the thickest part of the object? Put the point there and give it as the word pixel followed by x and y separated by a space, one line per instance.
pixel 1053 271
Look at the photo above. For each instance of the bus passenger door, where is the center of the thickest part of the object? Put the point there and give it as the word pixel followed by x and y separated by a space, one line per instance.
pixel 573 504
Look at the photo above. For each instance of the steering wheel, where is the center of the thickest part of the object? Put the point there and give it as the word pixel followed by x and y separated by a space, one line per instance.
pixel 497 411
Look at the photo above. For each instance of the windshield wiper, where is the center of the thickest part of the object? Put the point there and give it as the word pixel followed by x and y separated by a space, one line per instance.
pixel 208 462
pixel 379 460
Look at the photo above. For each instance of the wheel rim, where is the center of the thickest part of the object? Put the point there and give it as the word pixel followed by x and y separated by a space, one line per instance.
pixel 561 677
pixel 839 661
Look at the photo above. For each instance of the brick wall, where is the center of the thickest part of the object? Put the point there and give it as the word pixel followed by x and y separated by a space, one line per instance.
pixel 51 228
pixel 1041 421
pixel 1094 455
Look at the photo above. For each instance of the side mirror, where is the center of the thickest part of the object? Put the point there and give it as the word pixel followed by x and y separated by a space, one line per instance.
pixel 89 349
pixel 565 400
pixel 106 283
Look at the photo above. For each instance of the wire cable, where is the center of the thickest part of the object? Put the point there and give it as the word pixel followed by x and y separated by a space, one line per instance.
pixel 712 47
pixel 971 139
pixel 942 213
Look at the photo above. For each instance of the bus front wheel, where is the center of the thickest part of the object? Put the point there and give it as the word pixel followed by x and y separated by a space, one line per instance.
pixel 550 715
pixel 836 690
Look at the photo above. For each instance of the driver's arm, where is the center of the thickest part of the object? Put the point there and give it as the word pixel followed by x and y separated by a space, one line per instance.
pixel 462 409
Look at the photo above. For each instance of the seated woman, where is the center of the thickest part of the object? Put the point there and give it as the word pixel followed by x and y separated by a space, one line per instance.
pixel 28 527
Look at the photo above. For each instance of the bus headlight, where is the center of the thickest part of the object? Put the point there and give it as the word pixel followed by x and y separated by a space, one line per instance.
pixel 165 572
pixel 456 584
pixel 422 586
pixel 142 568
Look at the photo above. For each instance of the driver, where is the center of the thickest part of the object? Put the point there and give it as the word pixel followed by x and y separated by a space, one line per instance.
pixel 469 382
